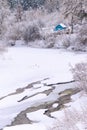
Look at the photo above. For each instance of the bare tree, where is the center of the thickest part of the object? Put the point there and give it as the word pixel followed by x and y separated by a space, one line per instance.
pixel 19 11
pixel 75 9
pixel 4 11
pixel 52 5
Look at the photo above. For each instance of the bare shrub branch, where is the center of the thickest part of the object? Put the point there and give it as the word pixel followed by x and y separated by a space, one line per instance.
pixel 71 119
pixel 80 75
pixel 81 40
pixel 32 33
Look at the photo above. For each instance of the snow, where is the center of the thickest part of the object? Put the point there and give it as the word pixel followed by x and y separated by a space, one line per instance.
pixel 20 66
pixel 63 25
pixel 81 126
pixel 55 105
pixel 27 127
pixel 78 112
pixel 38 116
pixel 9 100
pixel 80 102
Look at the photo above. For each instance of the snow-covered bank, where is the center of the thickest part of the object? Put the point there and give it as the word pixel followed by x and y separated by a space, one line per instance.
pixel 21 66
pixel 76 119
pixel 28 127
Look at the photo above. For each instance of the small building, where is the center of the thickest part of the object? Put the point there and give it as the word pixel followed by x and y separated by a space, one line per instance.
pixel 60 27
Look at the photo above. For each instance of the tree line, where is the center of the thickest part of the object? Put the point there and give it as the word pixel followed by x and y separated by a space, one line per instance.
pixel 26 4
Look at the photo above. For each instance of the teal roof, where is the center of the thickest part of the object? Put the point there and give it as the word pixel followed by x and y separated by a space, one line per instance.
pixel 59 27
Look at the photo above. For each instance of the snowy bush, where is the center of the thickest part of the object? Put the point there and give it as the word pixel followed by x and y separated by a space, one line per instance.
pixel 72 120
pixel 40 23
pixel 2 47
pixel 32 33
pixel 80 75
pixel 67 123
pixel 66 41
pixel 81 40
pixel 49 41
pixel 16 32
pixel 83 35
pixel 37 44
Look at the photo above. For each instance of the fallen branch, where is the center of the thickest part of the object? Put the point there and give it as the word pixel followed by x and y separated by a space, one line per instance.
pixel 61 83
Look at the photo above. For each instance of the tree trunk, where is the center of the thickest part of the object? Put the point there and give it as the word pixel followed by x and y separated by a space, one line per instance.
pixel 72 24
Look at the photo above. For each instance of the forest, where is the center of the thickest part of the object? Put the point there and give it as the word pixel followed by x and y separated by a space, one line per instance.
pixel 28 21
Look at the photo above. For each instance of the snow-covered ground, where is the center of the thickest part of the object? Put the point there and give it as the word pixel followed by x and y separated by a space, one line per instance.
pixel 23 66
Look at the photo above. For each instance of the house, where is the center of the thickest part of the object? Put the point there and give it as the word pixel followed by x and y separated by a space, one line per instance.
pixel 60 27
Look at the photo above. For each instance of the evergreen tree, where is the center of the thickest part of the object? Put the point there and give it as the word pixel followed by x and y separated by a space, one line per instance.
pixel 26 4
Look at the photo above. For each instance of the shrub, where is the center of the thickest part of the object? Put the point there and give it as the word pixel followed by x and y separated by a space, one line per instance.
pixel 80 75
pixel 68 121
pixel 63 41
pixel 66 41
pixel 83 35
pixel 32 33
pixel 40 23
pixel 15 31
pixel 81 40
pixel 49 41
pixel 71 119
pixel 15 34
pixel 2 47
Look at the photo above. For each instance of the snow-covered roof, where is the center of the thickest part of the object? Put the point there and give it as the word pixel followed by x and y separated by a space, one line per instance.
pixel 63 25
